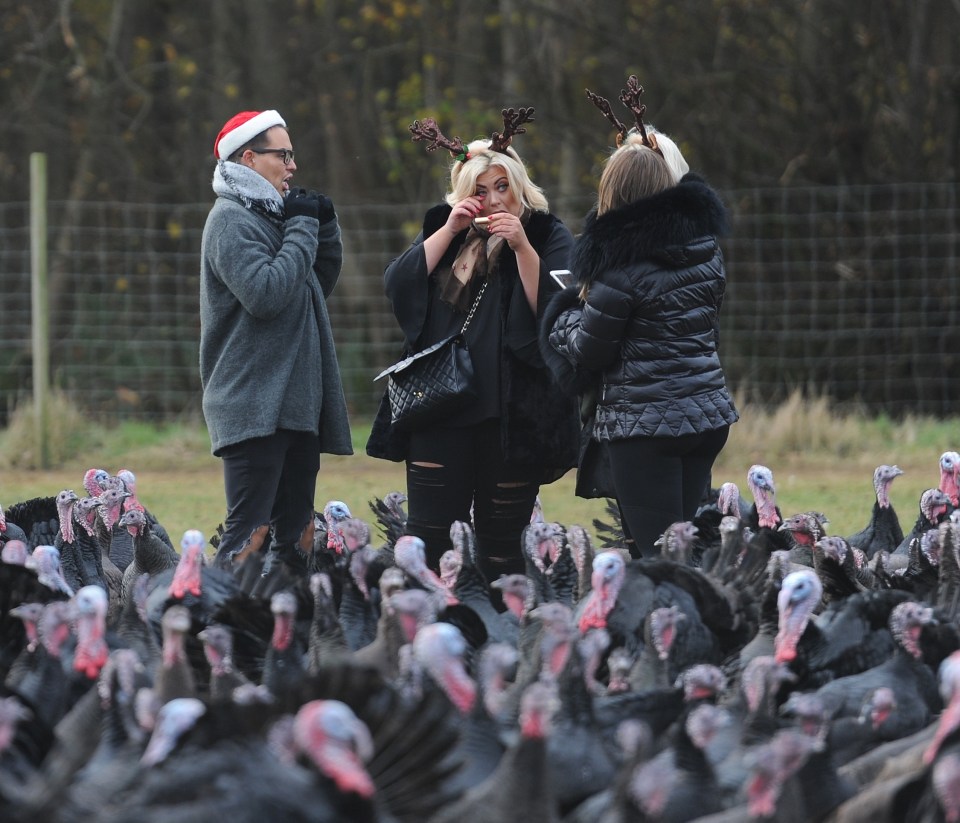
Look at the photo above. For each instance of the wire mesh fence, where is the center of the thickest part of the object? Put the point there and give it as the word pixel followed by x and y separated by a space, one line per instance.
pixel 849 292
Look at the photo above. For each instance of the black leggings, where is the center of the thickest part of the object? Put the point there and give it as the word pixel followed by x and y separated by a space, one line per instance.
pixel 460 474
pixel 661 480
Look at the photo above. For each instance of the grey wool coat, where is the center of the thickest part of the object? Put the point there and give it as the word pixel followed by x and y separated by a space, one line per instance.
pixel 267 357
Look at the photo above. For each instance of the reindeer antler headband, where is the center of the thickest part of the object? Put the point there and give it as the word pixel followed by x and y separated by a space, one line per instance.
pixel 513 120
pixel 630 97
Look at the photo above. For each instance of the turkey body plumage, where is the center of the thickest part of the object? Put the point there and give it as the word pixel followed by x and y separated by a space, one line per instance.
pixel 729 678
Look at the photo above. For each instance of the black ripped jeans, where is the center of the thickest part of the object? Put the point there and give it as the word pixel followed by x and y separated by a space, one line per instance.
pixel 660 481
pixel 465 470
pixel 268 481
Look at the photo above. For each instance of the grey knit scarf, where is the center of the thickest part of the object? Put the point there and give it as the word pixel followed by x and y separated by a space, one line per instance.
pixel 252 188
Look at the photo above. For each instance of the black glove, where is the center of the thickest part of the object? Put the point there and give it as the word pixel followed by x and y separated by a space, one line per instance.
pixel 325 211
pixel 300 203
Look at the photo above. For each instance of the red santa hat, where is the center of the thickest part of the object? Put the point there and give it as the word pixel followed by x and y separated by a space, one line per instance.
pixel 242 128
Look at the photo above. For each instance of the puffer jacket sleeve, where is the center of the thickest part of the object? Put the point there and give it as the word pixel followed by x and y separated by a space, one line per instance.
pixel 561 317
pixel 596 340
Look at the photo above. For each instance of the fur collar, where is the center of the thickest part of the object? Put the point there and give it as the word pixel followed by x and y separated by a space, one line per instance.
pixel 649 228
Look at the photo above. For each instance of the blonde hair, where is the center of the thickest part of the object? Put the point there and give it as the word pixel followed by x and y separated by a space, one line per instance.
pixel 463 176
pixel 632 172
pixel 671 153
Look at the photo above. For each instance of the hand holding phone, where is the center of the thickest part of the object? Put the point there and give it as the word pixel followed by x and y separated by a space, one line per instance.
pixel 563 276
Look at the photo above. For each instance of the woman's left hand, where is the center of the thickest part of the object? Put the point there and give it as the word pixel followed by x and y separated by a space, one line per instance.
pixel 508 226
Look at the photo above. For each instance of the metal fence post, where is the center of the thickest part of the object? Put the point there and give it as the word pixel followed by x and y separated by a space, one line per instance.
pixel 40 314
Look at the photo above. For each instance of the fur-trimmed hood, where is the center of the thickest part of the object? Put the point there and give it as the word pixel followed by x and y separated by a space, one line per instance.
pixel 655 228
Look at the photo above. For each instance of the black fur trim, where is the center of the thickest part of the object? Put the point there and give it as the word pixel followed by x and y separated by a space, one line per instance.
pixel 650 228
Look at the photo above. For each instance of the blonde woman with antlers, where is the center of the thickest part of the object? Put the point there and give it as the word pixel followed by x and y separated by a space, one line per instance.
pixel 484 464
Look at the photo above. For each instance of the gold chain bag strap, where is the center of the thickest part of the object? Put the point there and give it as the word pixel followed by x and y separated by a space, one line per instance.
pixel 432 384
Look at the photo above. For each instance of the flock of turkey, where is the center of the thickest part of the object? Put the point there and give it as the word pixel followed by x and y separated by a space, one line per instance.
pixel 759 669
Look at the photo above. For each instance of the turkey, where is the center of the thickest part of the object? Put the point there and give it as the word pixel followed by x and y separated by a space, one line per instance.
pixel 391 518
pixel 879 721
pixel 850 637
pixel 718 680
pixel 133 629
pixel 623 595
pixel 950 477
pixel 357 589
pixel 283 667
pixel 582 551
pixel 101 732
pixel 883 532
pixel 520 787
pixel 116 542
pixel 437 664
pixel 794 775
pixel 804 530
pixel 470 587
pixel 100 514
pixel 129 484
pixel 151 554
pixel 541 543
pixel 192 745
pixel 218 649
pixel 202 588
pixel 38 676
pixel 912 681
pixel 679 543
pixel 11 532
pixel 679 783
pixel 35 521
pixel 173 677
pixel 81 559
pixel 582 758
pixel 934 509
pixel 45 561
pixel 327 640
pixel 762 643
pixel 764 512
pixel 835 562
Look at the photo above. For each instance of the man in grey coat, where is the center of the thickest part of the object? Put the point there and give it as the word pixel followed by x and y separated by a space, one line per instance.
pixel 272 396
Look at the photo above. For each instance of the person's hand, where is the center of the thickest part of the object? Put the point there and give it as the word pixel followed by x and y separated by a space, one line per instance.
pixel 508 226
pixel 463 213
pixel 325 210
pixel 300 203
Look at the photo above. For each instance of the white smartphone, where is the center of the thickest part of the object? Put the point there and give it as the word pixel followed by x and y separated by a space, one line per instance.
pixel 563 276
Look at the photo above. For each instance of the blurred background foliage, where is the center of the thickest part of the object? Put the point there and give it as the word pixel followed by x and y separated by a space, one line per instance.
pixel 126 97
pixel 830 128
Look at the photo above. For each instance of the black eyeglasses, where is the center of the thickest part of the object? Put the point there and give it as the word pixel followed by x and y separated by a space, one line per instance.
pixel 286 154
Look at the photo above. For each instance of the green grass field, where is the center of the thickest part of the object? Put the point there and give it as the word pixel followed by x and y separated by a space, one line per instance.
pixel 821 461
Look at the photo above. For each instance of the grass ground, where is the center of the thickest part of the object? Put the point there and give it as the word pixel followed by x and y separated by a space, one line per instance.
pixel 821 461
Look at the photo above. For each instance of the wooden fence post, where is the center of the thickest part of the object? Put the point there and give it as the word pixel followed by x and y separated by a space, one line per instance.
pixel 40 315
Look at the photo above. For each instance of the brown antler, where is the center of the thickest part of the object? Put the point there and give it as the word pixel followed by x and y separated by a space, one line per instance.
pixel 427 129
pixel 604 105
pixel 513 120
pixel 630 97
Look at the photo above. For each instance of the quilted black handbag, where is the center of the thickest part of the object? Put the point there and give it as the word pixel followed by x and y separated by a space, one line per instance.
pixel 433 383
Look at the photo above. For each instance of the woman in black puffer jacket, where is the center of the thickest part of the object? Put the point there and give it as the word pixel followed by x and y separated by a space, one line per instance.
pixel 641 331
